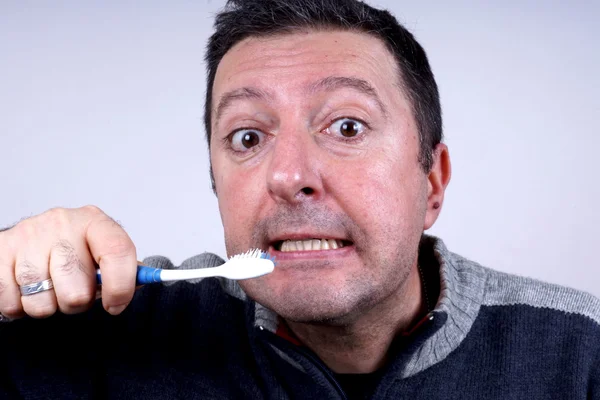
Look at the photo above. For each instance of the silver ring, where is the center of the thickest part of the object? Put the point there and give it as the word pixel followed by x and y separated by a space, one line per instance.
pixel 37 287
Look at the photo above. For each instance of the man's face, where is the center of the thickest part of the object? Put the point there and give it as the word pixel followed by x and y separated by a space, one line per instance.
pixel 314 147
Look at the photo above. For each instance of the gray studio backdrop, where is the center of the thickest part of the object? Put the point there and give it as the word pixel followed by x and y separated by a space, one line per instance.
pixel 101 103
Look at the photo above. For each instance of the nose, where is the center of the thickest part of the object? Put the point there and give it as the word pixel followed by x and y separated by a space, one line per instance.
pixel 293 175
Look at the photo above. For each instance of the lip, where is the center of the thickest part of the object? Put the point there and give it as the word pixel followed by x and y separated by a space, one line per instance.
pixel 305 236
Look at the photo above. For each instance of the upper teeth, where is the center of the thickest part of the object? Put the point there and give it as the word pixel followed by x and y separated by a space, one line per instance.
pixel 311 244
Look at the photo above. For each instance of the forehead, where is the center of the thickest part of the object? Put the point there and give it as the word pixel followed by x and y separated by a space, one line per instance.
pixel 300 58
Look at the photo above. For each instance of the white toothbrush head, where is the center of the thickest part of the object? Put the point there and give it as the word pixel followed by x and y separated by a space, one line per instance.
pixel 251 264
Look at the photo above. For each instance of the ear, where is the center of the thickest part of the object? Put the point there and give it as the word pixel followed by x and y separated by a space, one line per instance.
pixel 437 181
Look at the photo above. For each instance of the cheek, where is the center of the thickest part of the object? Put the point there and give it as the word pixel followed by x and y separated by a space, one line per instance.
pixel 383 197
pixel 238 196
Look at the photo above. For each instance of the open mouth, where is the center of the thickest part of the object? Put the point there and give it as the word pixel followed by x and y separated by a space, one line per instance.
pixel 310 245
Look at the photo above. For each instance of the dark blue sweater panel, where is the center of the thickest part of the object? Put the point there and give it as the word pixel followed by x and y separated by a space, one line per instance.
pixel 194 341
pixel 187 341
pixel 515 352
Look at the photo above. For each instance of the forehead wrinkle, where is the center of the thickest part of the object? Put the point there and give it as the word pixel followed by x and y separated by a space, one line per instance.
pixel 332 83
pixel 245 93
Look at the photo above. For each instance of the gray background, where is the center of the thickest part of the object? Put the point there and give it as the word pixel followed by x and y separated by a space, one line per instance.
pixel 101 103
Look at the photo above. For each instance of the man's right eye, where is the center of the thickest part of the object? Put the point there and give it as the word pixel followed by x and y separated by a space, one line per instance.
pixel 245 139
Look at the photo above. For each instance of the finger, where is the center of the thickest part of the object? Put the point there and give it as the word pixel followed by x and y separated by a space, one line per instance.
pixel 32 267
pixel 72 272
pixel 10 295
pixel 114 252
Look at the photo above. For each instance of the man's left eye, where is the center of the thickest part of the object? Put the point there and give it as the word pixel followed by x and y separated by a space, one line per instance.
pixel 347 127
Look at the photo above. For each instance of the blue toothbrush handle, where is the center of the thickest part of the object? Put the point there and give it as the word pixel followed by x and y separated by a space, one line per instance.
pixel 144 275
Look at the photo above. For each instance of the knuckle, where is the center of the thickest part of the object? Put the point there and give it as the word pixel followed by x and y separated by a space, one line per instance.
pixel 33 228
pixel 118 294
pixel 10 241
pixel 92 210
pixel 76 300
pixel 41 310
pixel 25 230
pixel 55 213
pixel 16 227
pixel 12 309
pixel 55 217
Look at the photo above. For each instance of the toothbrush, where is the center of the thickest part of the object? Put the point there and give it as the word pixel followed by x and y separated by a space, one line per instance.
pixel 251 264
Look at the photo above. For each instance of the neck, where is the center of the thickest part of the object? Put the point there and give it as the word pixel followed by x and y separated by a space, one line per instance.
pixel 361 346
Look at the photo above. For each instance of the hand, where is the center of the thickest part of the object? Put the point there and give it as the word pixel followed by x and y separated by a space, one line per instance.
pixel 66 245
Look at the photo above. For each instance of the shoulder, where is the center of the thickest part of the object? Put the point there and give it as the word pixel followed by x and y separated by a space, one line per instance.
pixel 497 288
pixel 526 322
pixel 504 289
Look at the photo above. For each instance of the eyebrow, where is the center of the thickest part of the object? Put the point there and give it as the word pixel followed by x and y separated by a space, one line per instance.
pixel 245 93
pixel 330 84
pixel 333 83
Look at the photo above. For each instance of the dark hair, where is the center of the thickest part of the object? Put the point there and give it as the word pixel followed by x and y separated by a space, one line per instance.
pixel 241 19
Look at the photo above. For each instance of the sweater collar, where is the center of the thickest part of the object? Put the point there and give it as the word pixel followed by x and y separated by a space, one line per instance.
pixel 461 289
pixel 462 284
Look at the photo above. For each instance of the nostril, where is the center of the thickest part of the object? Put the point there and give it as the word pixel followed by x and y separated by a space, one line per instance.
pixel 307 191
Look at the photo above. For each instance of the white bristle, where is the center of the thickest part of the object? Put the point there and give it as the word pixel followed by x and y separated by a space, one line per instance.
pixel 251 264
pixel 254 253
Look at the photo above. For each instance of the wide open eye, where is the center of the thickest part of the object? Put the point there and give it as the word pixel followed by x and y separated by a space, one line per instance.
pixel 245 139
pixel 347 127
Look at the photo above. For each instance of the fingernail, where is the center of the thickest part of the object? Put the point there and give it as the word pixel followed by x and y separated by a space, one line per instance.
pixel 114 310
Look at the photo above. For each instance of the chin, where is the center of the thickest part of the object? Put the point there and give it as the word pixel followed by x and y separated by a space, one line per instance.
pixel 316 300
